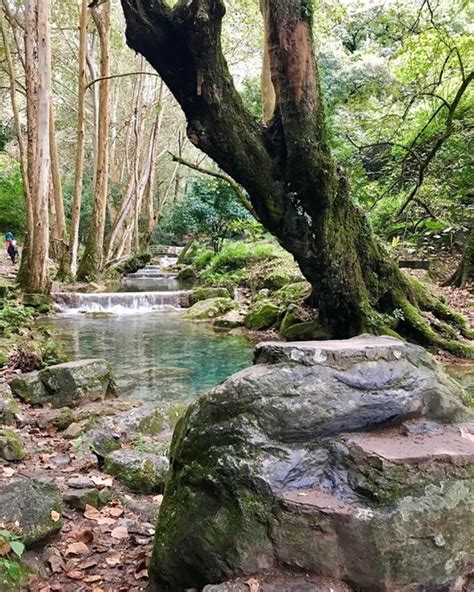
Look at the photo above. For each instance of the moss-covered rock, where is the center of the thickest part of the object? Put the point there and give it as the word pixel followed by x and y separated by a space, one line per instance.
pixel 210 309
pixel 78 499
pixel 293 293
pixel 40 302
pixel 149 419
pixel 199 294
pixel 279 278
pixel 139 471
pixel 102 441
pixel 310 459
pixel 11 446
pixel 262 315
pixel 130 265
pixel 187 274
pixel 231 320
pixel 26 506
pixel 66 384
pixel 9 408
pixel 63 419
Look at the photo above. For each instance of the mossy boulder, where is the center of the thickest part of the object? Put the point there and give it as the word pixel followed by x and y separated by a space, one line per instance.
pixel 102 441
pixel 66 385
pixel 210 308
pixel 78 499
pixel 199 294
pixel 299 324
pixel 62 420
pixel 141 472
pixel 262 315
pixel 293 293
pixel 187 274
pixel 231 320
pixel 150 419
pixel 40 302
pixel 11 446
pixel 26 506
pixel 279 278
pixel 9 408
pixel 338 458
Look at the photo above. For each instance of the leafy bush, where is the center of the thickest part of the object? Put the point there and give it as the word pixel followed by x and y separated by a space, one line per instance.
pixel 11 549
pixel 208 210
pixel 12 201
pixel 13 316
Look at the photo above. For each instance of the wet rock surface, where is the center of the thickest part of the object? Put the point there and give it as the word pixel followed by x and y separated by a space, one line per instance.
pixel 348 459
pixel 66 385
pixel 139 471
pixel 26 506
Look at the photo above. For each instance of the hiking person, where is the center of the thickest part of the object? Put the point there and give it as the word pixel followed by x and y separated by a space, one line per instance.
pixel 11 246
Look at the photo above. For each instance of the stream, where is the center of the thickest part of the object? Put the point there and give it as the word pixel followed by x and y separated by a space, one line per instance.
pixel 156 353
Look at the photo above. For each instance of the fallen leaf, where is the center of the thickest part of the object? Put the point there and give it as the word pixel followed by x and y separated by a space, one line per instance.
pixel 8 471
pixel 56 563
pixel 88 564
pixel 85 536
pixel 143 573
pixel 114 559
pixel 55 516
pixel 91 512
pixel 116 511
pixel 157 499
pixel 75 575
pixel 106 520
pixel 101 483
pixel 253 585
pixel 4 548
pixel 97 589
pixel 76 549
pixel 92 578
pixel 121 532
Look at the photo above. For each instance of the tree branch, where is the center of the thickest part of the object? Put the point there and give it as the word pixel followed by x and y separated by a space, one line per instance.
pixel 237 190
pixel 92 82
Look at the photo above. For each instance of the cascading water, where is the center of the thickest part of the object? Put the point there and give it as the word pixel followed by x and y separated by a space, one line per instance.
pixel 120 302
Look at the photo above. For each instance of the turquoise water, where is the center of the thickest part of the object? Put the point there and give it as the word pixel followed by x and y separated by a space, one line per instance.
pixel 155 356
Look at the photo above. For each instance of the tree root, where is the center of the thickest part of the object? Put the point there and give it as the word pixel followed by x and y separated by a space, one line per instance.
pixel 445 330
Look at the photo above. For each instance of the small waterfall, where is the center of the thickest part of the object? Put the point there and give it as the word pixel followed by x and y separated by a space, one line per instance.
pixel 120 302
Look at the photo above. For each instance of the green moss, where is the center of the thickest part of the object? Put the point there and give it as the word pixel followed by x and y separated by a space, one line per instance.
pixel 199 294
pixel 211 308
pixel 262 315
pixel 11 447
pixel 64 419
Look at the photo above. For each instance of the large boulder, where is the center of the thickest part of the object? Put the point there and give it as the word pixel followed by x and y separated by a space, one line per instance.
pixel 262 315
pixel 9 409
pixel 66 385
pixel 204 293
pixel 340 458
pixel 31 509
pixel 11 446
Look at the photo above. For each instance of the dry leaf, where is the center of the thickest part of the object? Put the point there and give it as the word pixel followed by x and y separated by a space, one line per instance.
pixel 88 564
pixel 116 511
pixel 56 563
pixel 143 573
pixel 4 548
pixel 253 585
pixel 75 575
pixel 8 471
pixel 55 516
pixel 121 532
pixel 101 483
pixel 91 512
pixel 76 549
pixel 97 589
pixel 114 559
pixel 106 520
pixel 92 578
pixel 157 499
pixel 85 536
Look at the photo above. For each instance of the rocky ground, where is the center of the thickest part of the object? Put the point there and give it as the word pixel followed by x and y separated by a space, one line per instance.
pixel 93 532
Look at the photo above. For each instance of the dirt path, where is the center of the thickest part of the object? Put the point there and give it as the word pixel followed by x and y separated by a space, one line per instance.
pixel 8 270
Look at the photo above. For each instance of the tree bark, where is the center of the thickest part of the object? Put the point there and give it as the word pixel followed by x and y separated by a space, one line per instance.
pixel 287 169
pixel 79 165
pixel 93 257
pixel 464 274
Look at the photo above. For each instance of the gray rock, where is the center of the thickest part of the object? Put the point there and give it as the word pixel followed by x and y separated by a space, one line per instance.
pixel 304 460
pixel 11 446
pixel 102 441
pixel 80 482
pixel 73 431
pixel 66 385
pixel 78 499
pixel 26 506
pixel 139 471
pixel 9 409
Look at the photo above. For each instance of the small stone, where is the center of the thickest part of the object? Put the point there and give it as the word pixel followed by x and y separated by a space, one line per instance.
pixel 73 431
pixel 80 482
pixel 78 499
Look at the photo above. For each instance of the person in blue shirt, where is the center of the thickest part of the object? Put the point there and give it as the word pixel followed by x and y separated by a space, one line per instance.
pixel 11 246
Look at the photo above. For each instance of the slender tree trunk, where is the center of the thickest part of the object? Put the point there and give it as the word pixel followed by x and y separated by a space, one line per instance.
pixel 464 274
pixel 38 255
pixel 79 166
pixel 91 262
pixel 287 169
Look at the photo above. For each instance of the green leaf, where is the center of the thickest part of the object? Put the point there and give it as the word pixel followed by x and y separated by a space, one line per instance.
pixel 17 547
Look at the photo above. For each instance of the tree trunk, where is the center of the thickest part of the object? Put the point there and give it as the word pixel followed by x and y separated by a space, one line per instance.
pixel 79 166
pixel 464 274
pixel 33 274
pixel 92 259
pixel 296 189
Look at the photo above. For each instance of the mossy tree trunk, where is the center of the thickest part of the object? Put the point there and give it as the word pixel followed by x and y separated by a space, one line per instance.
pixel 286 167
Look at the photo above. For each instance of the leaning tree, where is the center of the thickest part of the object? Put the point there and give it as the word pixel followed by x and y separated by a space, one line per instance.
pixel 298 192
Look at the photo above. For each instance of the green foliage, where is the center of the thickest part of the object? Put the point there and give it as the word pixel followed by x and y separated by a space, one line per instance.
pixel 252 96
pixel 14 316
pixel 208 210
pixel 11 549
pixel 12 201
